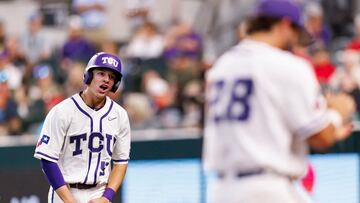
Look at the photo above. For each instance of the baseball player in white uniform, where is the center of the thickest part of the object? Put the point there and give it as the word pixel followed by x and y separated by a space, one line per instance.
pixel 264 107
pixel 85 141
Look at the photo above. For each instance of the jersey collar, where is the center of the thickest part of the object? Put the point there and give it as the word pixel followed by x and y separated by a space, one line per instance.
pixel 88 109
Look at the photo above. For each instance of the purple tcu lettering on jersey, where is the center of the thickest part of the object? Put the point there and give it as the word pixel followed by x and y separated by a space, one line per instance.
pixel 91 142
pixel 95 139
pixel 77 139
pixel 108 140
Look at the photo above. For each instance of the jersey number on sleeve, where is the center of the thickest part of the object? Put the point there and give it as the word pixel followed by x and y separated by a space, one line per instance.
pixel 235 108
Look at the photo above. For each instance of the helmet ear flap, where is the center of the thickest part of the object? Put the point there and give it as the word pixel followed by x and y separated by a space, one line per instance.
pixel 116 85
pixel 88 77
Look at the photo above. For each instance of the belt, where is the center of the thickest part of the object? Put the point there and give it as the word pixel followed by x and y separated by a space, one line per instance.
pixel 242 174
pixel 81 186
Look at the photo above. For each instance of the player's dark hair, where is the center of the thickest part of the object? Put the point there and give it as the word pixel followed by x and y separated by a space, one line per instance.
pixel 260 23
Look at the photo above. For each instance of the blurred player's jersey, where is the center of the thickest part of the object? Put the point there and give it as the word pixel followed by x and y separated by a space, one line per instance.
pixel 84 141
pixel 262 105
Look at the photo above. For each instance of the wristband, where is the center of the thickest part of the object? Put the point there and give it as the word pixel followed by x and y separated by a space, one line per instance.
pixel 335 118
pixel 109 194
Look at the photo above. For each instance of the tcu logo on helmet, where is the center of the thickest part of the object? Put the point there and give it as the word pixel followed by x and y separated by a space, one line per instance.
pixel 110 61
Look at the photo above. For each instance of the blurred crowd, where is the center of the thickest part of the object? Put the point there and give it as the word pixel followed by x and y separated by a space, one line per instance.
pixel 163 69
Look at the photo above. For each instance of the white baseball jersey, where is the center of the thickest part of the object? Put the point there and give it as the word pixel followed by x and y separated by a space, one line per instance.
pixel 83 141
pixel 262 105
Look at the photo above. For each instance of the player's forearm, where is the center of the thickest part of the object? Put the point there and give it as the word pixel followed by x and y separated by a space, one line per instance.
pixel 65 194
pixel 116 176
pixel 115 179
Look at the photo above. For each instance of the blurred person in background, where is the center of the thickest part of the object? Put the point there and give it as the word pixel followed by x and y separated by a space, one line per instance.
pixel 347 76
pixel 41 96
pixel 163 100
pixel 354 43
pixel 183 70
pixel 76 49
pixel 31 109
pixel 34 44
pixel 14 74
pixel 144 52
pixel 2 35
pixel 158 90
pixel 339 15
pixel 16 56
pixel 93 17
pixel 146 43
pixel 349 86
pixel 10 123
pixel 51 93
pixel 109 46
pixel 193 104
pixel 322 64
pixel 349 66
pixel 138 12
pixel 75 52
pixel 219 23
pixel 74 82
pixel 183 52
pixel 315 24
pixel 181 39
pixel 140 110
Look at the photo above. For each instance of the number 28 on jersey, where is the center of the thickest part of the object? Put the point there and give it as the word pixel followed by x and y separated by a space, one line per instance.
pixel 229 100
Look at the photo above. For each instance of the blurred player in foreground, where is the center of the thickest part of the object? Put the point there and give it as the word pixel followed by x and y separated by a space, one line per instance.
pixel 264 108
pixel 85 141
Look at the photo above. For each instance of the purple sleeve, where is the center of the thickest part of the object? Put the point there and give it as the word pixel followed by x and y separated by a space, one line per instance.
pixel 53 173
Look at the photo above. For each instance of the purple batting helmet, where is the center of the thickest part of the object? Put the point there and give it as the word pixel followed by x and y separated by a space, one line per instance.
pixel 104 60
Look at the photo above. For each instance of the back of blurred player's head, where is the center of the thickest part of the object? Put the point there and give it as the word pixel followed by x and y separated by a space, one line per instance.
pixel 269 13
pixel 260 24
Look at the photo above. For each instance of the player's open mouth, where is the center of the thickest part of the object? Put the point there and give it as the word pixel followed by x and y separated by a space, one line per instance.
pixel 104 87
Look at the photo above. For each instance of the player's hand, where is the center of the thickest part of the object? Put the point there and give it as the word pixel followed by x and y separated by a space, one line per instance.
pixel 99 200
pixel 344 131
pixel 343 103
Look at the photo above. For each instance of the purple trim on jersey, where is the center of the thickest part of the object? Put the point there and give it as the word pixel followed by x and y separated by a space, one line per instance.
pixel 84 112
pixel 120 160
pixel 107 113
pixel 97 167
pixel 45 155
pixel 99 155
pixel 53 173
pixel 87 174
pixel 91 130
pixel 52 195
pixel 108 141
